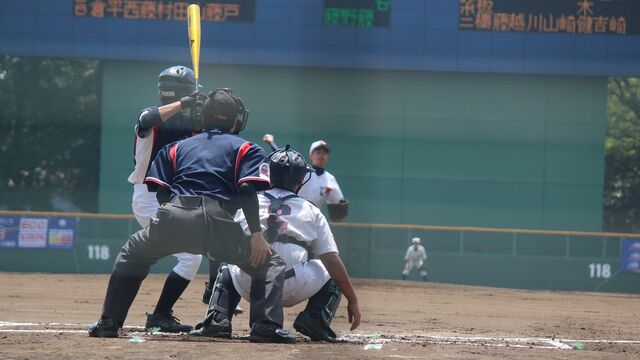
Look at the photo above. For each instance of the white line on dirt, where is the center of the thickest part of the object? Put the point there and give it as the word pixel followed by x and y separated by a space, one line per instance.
pixel 515 339
pixel 604 341
pixel 9 323
pixel 39 331
pixel 375 338
pixel 559 344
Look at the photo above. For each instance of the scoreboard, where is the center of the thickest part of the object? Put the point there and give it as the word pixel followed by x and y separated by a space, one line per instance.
pixel 617 17
pixel 358 13
pixel 571 37
pixel 211 11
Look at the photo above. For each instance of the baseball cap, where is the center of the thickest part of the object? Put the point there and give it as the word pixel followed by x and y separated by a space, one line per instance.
pixel 415 240
pixel 318 144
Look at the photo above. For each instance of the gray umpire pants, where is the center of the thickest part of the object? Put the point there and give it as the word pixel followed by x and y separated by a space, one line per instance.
pixel 195 225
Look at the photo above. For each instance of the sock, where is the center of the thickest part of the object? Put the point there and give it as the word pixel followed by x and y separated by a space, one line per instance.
pixel 173 287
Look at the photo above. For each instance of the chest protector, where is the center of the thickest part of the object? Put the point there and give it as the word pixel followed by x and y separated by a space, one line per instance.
pixel 274 222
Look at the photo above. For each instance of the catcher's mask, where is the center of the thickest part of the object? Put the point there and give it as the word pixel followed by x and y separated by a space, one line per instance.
pixel 288 168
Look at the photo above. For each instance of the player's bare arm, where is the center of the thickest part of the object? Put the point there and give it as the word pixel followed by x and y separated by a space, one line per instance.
pixel 338 272
pixel 270 140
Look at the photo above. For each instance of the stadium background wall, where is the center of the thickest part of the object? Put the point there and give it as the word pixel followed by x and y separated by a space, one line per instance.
pixel 500 258
pixel 407 147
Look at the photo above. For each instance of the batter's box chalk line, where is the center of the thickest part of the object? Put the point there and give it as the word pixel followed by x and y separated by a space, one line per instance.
pixel 438 339
pixel 375 339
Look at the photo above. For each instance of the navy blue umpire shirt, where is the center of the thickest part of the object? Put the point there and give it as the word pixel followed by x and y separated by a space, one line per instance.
pixel 175 128
pixel 213 163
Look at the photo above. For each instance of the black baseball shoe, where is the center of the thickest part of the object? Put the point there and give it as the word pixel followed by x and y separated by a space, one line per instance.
pixel 220 329
pixel 315 329
pixel 270 333
pixel 105 327
pixel 165 323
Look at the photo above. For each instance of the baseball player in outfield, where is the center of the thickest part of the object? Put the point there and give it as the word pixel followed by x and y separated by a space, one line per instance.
pixel 322 187
pixel 200 181
pixel 156 127
pixel 416 257
pixel 300 234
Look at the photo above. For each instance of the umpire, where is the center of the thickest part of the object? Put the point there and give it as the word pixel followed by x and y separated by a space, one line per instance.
pixel 200 181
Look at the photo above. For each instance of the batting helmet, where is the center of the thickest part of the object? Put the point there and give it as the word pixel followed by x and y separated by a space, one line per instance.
pixel 174 83
pixel 287 168
pixel 222 109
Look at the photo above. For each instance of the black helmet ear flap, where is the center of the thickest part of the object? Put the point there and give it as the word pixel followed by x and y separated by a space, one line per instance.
pixel 243 113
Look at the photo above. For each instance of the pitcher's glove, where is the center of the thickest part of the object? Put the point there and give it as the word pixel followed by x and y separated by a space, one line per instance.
pixel 338 211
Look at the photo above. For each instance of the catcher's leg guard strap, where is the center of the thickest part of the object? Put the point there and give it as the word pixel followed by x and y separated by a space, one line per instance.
pixel 325 302
pixel 225 298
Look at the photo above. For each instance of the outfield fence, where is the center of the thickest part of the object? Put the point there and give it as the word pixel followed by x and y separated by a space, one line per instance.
pixel 518 258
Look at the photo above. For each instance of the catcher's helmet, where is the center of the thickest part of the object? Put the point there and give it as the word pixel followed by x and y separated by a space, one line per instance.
pixel 222 109
pixel 287 168
pixel 174 83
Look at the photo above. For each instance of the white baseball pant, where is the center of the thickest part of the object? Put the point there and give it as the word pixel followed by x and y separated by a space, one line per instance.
pixel 419 264
pixel 309 278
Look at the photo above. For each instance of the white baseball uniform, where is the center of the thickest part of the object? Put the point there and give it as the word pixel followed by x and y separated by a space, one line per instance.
pixel 145 204
pixel 299 219
pixel 321 189
pixel 415 257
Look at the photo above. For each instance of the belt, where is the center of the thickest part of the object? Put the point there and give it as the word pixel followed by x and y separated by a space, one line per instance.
pixel 289 274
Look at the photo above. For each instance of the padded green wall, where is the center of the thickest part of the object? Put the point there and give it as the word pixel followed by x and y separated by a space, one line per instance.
pixel 551 261
pixel 407 147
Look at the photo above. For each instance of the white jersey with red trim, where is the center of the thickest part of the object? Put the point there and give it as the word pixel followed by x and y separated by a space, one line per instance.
pixel 321 189
pixel 296 218
pixel 303 221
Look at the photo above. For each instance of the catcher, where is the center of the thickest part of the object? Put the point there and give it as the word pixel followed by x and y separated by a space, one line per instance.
pixel 298 232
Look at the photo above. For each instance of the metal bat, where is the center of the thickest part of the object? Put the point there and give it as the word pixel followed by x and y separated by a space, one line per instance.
pixel 193 23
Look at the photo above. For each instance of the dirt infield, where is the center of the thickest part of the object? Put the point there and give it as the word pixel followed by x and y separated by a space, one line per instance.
pixel 45 316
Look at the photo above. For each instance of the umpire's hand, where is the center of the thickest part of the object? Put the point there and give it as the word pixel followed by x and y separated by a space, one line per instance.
pixel 260 249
